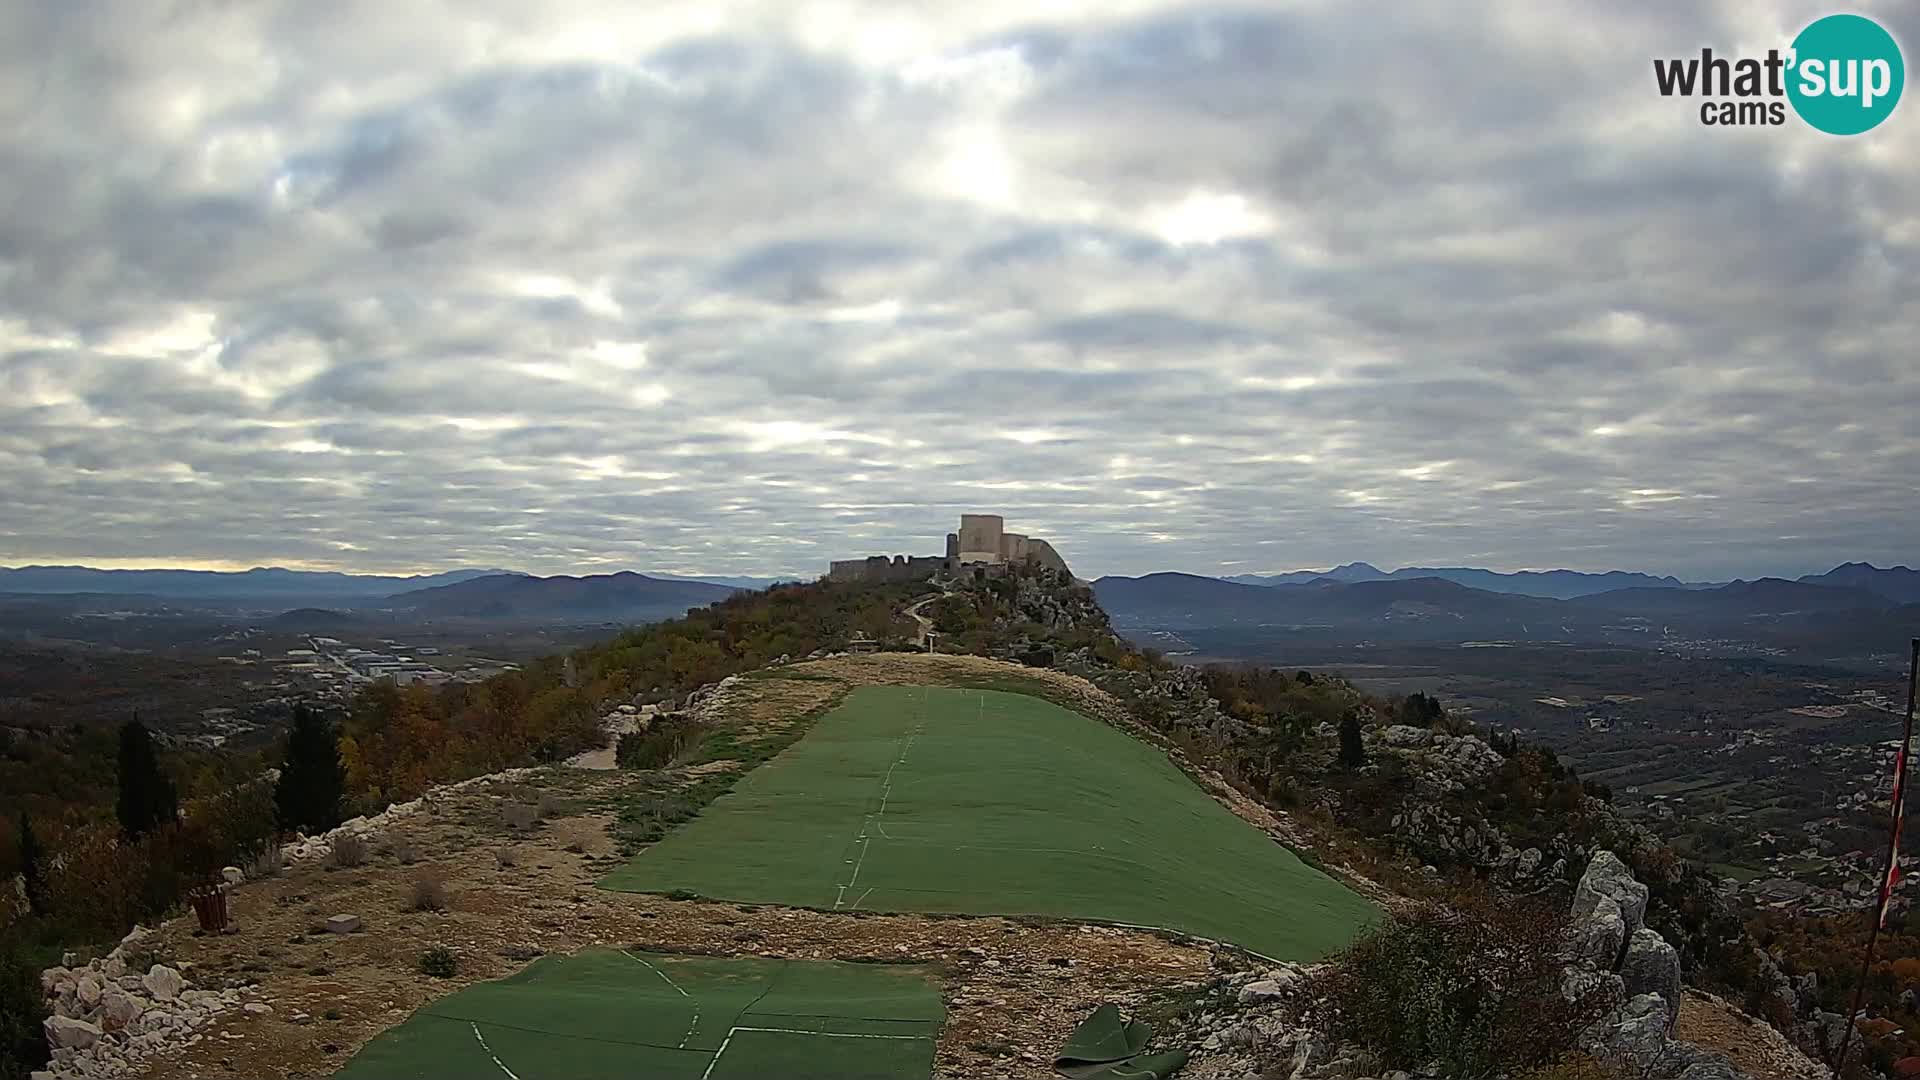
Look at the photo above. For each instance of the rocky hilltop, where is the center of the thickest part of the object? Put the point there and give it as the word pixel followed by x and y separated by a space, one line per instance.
pixel 1499 868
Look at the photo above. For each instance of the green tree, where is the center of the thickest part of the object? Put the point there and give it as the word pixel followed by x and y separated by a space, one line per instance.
pixel 313 780
pixel 1419 710
pixel 23 1044
pixel 32 866
pixel 147 799
pixel 1352 753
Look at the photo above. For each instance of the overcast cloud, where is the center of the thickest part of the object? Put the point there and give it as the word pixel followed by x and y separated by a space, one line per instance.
pixel 739 288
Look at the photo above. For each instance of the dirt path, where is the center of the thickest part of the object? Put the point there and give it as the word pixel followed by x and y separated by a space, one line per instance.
pixel 926 624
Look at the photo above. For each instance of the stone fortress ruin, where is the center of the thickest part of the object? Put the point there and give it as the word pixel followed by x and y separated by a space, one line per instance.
pixel 983 545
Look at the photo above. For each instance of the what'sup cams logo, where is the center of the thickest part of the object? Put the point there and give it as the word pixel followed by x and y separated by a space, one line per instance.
pixel 1843 75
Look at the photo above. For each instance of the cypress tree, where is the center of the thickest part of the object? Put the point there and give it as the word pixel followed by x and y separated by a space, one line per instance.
pixel 147 799
pixel 313 780
pixel 32 866
pixel 1352 753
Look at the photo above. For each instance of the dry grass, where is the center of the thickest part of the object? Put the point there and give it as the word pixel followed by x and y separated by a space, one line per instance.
pixel 429 892
pixel 348 851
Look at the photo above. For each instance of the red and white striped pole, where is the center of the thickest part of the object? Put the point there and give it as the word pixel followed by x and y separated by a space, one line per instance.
pixel 1898 813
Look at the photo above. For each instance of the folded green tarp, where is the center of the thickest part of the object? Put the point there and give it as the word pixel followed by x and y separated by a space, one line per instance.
pixel 1105 1047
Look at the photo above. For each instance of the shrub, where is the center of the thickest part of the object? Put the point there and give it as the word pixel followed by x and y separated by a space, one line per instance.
pixel 348 851
pixel 100 884
pixel 519 815
pixel 405 853
pixel 439 962
pixel 429 892
pixel 1475 987
pixel 549 807
pixel 508 858
pixel 659 745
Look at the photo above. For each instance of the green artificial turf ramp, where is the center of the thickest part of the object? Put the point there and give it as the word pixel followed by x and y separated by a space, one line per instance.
pixel 980 802
pixel 620 1015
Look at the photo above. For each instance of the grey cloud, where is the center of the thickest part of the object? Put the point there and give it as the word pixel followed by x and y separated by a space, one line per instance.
pixel 726 305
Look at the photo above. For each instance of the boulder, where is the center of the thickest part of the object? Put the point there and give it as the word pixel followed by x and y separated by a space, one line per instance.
pixel 88 989
pixel 1473 759
pixel 232 875
pixel 1262 991
pixel 1653 967
pixel 343 924
pixel 1607 877
pixel 163 983
pixel 118 1009
pixel 1579 982
pixel 64 1032
pixel 1528 862
pixel 1407 736
pixel 1600 935
pixel 1632 1036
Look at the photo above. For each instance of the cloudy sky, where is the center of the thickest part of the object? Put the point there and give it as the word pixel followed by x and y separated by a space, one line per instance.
pixel 738 288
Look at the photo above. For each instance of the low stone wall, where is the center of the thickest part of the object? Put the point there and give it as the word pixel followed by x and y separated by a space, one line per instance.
pixel 303 847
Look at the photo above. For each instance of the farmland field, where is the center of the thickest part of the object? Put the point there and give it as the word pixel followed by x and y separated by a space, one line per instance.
pixel 927 799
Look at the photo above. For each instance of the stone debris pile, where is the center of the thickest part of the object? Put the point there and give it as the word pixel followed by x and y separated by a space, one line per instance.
pixel 107 1017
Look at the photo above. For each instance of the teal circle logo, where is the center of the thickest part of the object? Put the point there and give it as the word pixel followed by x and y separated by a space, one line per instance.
pixel 1846 74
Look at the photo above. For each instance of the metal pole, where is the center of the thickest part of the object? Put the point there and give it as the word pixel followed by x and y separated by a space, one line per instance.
pixel 1893 852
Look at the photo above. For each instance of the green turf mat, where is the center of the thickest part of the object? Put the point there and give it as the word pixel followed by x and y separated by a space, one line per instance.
pixel 1105 1047
pixel 982 802
pixel 612 1014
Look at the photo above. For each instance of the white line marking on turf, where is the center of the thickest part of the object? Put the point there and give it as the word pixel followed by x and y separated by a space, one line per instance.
pixel 795 1031
pixel 688 1037
pixel 875 819
pixel 489 1050
pixel 863 898
pixel 832 1034
pixel 656 971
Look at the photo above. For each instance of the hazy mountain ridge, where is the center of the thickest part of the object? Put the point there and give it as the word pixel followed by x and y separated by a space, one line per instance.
pixel 259 583
pixel 1775 612
pixel 1552 584
pixel 622 595
pixel 1897 583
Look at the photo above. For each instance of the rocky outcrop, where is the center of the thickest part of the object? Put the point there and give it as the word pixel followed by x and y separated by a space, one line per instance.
pixel 1614 951
pixel 106 1017
pixel 1607 878
pixel 1651 966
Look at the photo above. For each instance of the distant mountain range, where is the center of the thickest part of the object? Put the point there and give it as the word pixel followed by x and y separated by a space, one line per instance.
pixel 1553 584
pixel 1867 606
pixel 258 584
pixel 1898 583
pixel 622 596
pixel 268 587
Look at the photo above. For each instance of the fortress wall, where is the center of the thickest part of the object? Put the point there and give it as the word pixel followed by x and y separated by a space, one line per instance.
pixel 1041 553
